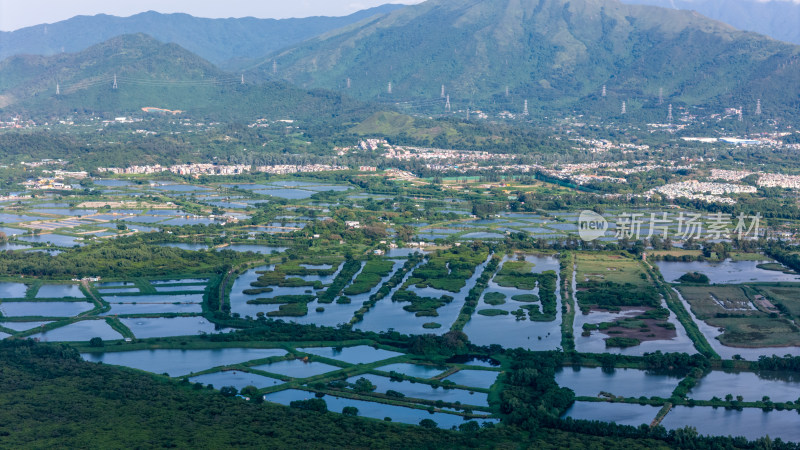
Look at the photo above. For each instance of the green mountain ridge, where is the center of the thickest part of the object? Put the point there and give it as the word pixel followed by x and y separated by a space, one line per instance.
pixel 556 53
pixel 150 74
pixel 777 19
pixel 224 42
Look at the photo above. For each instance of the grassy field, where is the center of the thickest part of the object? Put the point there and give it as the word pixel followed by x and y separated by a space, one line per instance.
pixel 609 267
pixel 757 332
pixel 731 308
pixel 613 280
pixel 677 253
pixel 785 294
pixel 709 301
pixel 516 274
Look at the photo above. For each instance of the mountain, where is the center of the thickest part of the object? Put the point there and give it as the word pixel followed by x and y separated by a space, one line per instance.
pixel 556 53
pixel 149 73
pixel 224 42
pixel 776 18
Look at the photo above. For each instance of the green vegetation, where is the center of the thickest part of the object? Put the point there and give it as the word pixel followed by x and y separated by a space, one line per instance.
pixel 494 298
pixel 745 315
pixel 474 295
pixel 694 278
pixel 372 273
pixel 526 298
pixel 612 281
pixel 622 342
pixel 492 312
pixel 777 267
pixel 563 71
pixel 351 267
pixel 71 393
pixel 449 269
pixel 631 331
pixel 517 274
pixel 445 270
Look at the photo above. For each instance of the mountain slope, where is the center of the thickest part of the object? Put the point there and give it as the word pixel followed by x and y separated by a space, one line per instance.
pixel 221 41
pixel 556 53
pixel 149 74
pixel 776 18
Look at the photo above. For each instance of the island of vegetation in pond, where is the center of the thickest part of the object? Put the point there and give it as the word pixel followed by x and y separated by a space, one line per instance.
pixel 694 278
pixel 629 331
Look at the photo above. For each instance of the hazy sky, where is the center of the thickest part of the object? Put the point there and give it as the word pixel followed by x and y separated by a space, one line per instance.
pixel 16 14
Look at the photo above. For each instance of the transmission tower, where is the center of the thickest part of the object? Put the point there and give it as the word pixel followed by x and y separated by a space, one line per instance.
pixel 242 78
pixel 758 107
pixel 603 94
pixel 741 108
pixel 348 83
pixel 274 67
pixel 525 109
pixel 660 96
pixel 506 91
pixel 447 104
pixel 58 89
pixel 624 108
pixel 114 86
pixel 669 114
pixel 442 95
pixel 467 112
pixel 389 89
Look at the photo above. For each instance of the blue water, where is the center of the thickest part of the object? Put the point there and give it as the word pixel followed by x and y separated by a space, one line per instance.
pixel 424 391
pixel 184 281
pixel 179 222
pixel 152 308
pixel 751 423
pixel 11 231
pixel 79 331
pixel 60 291
pixel 181 188
pixel 620 413
pixel 114 284
pixel 291 194
pixel 23 326
pixel 235 378
pixel 112 183
pixel 297 368
pixel 144 328
pixel 413 370
pixel 65 211
pixel 13 290
pixel 778 387
pixel 474 378
pixel 44 309
pixel 180 288
pixel 361 354
pixel 154 298
pixel 14 218
pixel 56 239
pixel 373 410
pixel 131 290
pixel 181 362
pixel 589 382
